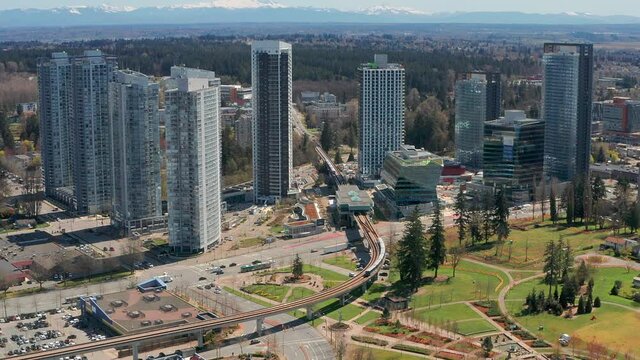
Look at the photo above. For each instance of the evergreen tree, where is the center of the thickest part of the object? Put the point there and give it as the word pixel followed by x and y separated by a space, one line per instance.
pixel 412 252
pixel 437 250
pixel 501 217
pixel 581 306
pixel 550 264
pixel 326 138
pixel 568 293
pixel 462 221
pixel 601 157
pixel 578 197
pixel 351 157
pixel 553 211
pixel 297 267
pixel 588 306
pixel 582 273
pixel 590 286
pixel 565 261
pixel 596 302
pixel 598 190
pixel 487 346
pixel 338 158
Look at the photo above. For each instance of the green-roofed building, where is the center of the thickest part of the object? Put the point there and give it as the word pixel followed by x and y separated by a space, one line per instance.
pixel 411 176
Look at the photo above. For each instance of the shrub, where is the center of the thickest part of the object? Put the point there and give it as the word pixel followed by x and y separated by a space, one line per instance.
pixel 596 302
pixel 369 340
pixel 413 349
pixel 636 297
pixel 539 343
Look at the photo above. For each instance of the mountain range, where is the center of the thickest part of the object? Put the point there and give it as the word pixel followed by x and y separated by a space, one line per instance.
pixel 261 11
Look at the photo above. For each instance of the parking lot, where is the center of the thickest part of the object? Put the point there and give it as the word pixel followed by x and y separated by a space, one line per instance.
pixel 32 332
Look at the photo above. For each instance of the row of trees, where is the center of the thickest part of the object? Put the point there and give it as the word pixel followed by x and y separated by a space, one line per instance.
pixel 486 215
pixel 417 252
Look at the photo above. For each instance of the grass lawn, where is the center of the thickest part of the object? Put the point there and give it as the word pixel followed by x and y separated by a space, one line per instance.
pixel 277 229
pixel 468 321
pixel 269 291
pixel 371 315
pixel 529 242
pixel 472 282
pixel 246 296
pixel 330 278
pixel 613 327
pixel 603 278
pixel 379 354
pixel 343 261
pixel 250 242
pixel 332 309
pixel 299 293
pixel 519 275
pixel 155 242
pixel 375 292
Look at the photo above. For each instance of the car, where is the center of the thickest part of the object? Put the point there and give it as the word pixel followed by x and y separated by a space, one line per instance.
pixel 232 264
pixel 223 266
pixel 351 274
pixel 254 341
pixel 202 278
pixel 314 250
pixel 200 287
pixel 256 262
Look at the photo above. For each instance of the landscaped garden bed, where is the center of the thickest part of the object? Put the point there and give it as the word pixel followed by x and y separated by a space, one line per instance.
pixel 389 328
pixel 413 349
pixel 369 340
pixel 428 338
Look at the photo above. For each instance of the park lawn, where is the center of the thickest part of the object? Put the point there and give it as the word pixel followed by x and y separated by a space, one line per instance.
pixel 342 261
pixel 270 291
pixel 529 242
pixel 298 293
pixel 333 309
pixel 603 278
pixel 614 327
pixel 380 354
pixel 250 242
pixel 325 274
pixel 247 296
pixel 472 282
pixel 520 275
pixel 368 317
pixel 467 321
pixel 374 292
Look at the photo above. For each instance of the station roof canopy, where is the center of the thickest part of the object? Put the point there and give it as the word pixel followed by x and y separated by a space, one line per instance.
pixel 350 198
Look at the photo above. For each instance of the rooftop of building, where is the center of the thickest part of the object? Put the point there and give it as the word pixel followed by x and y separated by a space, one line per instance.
pixel 132 310
pixel 353 198
pixel 380 61
pixel 514 118
pixel 408 155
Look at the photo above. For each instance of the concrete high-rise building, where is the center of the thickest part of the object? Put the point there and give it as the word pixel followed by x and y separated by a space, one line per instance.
pixel 381 113
pixel 135 136
pixel 55 89
pixel 566 109
pixel 271 78
pixel 478 99
pixel 91 148
pixel 513 154
pixel 193 159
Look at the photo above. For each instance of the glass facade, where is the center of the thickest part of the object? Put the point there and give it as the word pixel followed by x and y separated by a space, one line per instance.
pixel 413 175
pixel 513 152
pixel 566 109
pixel 478 99
pixel 271 77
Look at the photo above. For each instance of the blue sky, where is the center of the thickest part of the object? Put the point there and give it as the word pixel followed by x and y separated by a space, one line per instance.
pixel 600 7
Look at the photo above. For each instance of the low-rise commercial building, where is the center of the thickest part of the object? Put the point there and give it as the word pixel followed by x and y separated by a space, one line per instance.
pixel 306 221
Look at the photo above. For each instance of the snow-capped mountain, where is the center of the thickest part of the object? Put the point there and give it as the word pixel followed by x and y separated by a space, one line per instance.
pixel 261 11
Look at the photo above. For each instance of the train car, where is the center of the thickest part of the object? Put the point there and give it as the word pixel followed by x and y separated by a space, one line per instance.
pixel 334 248
pixel 256 267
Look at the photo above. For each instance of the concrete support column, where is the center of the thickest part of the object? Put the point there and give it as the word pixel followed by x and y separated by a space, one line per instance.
pixel 364 287
pixel 200 337
pixel 259 323
pixel 134 351
pixel 309 313
pixel 343 298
